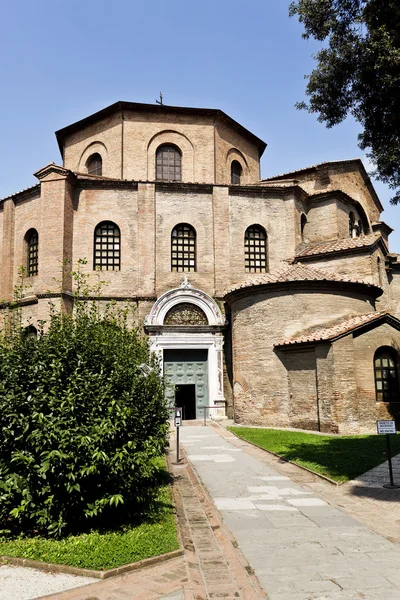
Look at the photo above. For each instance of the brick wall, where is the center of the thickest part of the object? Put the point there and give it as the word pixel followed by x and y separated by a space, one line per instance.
pixel 261 385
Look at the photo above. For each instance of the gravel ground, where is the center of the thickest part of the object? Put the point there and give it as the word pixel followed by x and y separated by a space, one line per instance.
pixel 20 583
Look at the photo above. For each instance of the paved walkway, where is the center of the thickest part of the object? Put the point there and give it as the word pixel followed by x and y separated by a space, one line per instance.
pixel 294 536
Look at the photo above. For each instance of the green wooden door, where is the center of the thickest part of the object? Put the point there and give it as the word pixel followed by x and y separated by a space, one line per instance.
pixel 189 367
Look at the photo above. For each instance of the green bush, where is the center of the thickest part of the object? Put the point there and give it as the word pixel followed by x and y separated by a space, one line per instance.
pixel 82 417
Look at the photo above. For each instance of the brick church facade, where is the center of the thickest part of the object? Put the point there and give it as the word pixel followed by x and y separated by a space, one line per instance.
pixel 274 301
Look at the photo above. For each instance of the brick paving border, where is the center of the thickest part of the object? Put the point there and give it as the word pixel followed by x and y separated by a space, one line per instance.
pixel 216 565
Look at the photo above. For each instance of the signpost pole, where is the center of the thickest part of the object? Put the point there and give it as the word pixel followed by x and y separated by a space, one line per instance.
pixel 177 444
pixel 389 451
pixel 388 428
pixel 177 421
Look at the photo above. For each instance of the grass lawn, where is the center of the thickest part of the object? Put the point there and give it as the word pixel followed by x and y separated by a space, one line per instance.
pixel 101 551
pixel 341 458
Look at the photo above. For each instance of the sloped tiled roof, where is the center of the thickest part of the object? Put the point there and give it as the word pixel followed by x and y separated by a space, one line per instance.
pixel 314 167
pixel 295 272
pixel 342 328
pixel 338 245
pixel 27 189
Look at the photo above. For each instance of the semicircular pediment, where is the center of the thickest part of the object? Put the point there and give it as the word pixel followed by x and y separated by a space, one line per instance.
pixel 187 304
pixel 185 313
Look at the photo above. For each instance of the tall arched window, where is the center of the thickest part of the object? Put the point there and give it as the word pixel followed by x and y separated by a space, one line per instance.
pixel 183 248
pixel 236 172
pixel 168 163
pixel 386 375
pixel 107 247
pixel 32 252
pixel 355 228
pixel 94 164
pixel 303 223
pixel 255 249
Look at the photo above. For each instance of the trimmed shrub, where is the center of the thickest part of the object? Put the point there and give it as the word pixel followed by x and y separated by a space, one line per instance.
pixel 82 417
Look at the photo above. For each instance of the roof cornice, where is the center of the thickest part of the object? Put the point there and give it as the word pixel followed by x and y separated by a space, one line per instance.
pixel 364 288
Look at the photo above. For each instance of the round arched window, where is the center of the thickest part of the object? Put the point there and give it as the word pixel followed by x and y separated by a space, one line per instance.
pixel 236 172
pixel 168 163
pixel 386 375
pixel 94 164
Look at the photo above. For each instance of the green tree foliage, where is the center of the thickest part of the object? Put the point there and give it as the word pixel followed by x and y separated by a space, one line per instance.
pixel 82 417
pixel 358 73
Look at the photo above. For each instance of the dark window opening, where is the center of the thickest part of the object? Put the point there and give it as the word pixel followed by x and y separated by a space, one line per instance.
pixel 303 223
pixel 236 172
pixel 32 241
pixel 94 164
pixel 355 228
pixel 107 247
pixel 168 163
pixel 386 375
pixel 255 249
pixel 183 248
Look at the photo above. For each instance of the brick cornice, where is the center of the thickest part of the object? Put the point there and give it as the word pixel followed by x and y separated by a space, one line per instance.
pixel 306 286
pixel 98 184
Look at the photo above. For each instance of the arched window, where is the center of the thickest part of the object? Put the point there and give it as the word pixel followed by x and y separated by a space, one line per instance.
pixel 168 163
pixel 30 332
pixel 32 252
pixel 255 249
pixel 107 247
pixel 355 228
pixel 386 375
pixel 183 248
pixel 236 172
pixel 303 223
pixel 94 164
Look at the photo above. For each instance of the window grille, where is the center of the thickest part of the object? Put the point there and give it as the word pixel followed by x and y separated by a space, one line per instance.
pixel 255 249
pixel 386 376
pixel 168 164
pixel 32 239
pixel 94 164
pixel 236 172
pixel 107 247
pixel 183 248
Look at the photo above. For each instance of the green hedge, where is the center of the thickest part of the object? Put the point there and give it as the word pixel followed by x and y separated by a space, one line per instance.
pixel 82 416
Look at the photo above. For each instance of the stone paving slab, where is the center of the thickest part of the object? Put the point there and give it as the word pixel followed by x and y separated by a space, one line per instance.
pixel 299 543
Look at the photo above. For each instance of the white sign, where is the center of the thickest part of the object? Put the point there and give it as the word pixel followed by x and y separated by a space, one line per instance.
pixel 386 426
pixel 178 418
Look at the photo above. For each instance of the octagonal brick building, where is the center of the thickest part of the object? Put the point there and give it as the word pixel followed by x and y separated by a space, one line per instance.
pixel 271 301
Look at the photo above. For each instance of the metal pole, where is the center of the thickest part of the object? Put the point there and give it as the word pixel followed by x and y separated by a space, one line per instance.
pixel 177 444
pixel 390 459
pixel 205 416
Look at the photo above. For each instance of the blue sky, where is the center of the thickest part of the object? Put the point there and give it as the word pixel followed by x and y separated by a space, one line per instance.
pixel 59 62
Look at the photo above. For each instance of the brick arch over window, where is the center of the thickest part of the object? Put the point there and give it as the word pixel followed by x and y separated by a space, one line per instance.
pixel 178 140
pixel 32 252
pixel 255 249
pixel 107 247
pixel 183 248
pixel 386 371
pixel 93 148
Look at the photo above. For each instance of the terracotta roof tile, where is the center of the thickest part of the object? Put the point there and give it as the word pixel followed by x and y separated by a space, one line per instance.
pixel 329 333
pixel 322 164
pixel 27 189
pixel 338 245
pixel 295 272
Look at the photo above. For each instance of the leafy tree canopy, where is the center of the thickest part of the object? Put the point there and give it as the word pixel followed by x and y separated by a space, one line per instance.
pixel 83 420
pixel 358 73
